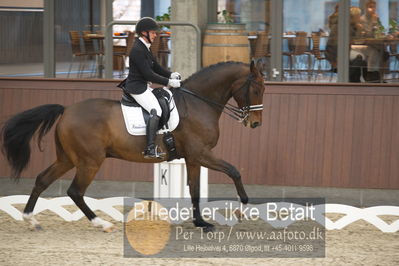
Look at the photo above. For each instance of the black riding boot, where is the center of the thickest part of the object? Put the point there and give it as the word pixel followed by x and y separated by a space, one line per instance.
pixel 152 127
pixel 355 68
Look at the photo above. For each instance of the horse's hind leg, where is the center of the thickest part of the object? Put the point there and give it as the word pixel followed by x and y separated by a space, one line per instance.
pixel 83 178
pixel 43 181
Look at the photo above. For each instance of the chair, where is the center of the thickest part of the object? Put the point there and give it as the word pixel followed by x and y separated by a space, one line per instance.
pixel 393 53
pixel 121 53
pixel 160 49
pixel 261 45
pixel 261 52
pixel 317 53
pixel 252 37
pixel 77 51
pixel 298 46
pixel 163 53
pixel 131 37
pixel 92 51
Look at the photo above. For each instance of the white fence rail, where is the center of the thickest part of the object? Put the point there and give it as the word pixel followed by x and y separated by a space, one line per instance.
pixel 107 205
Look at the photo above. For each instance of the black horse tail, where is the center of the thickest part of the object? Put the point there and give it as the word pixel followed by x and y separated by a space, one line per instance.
pixel 19 130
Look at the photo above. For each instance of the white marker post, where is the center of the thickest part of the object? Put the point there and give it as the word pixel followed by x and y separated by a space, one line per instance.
pixel 170 180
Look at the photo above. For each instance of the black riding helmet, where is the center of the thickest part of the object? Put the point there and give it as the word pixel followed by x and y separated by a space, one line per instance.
pixel 146 24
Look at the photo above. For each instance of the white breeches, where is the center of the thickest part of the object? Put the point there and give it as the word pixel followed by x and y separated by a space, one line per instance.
pixel 148 101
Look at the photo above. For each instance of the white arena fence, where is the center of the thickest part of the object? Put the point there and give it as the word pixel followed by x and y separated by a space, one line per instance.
pixel 107 206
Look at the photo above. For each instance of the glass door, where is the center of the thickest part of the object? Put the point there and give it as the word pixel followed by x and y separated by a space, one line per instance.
pixel 254 16
pixel 374 39
pixel 308 35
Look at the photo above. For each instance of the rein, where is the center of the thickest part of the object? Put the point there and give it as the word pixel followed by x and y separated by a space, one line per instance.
pixel 239 114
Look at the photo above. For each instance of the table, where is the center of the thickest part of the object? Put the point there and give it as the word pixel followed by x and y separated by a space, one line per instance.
pixel 102 36
pixel 380 45
pixel 375 41
pixel 120 50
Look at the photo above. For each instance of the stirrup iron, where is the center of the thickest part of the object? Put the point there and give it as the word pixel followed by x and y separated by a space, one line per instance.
pixel 154 153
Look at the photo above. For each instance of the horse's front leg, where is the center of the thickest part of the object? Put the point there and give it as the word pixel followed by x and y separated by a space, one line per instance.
pixel 210 161
pixel 193 175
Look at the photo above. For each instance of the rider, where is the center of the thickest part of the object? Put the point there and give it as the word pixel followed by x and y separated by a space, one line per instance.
pixel 144 70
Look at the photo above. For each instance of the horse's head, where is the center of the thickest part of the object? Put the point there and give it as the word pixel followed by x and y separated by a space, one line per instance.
pixel 248 93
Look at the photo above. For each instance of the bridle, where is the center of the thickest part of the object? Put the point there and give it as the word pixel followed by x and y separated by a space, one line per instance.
pixel 239 114
pixel 248 107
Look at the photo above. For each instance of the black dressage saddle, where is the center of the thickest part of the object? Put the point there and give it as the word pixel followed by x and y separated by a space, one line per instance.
pixel 163 97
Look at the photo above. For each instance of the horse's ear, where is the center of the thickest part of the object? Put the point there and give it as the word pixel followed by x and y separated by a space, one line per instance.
pixel 252 66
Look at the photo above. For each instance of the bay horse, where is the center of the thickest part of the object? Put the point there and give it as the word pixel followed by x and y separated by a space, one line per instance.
pixel 90 131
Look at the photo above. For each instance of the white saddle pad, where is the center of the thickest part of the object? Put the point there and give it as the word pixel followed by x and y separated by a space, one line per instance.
pixel 134 119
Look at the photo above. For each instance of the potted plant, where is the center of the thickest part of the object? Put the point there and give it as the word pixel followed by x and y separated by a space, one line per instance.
pixel 225 17
pixel 164 17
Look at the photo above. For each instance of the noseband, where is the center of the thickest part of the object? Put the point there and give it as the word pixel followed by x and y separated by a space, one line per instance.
pixel 239 114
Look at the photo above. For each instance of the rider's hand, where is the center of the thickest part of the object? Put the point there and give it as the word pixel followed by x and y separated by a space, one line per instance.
pixel 174 83
pixel 175 75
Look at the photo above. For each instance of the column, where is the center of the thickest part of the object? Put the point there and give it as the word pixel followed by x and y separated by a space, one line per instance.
pixel 184 59
pixel 48 39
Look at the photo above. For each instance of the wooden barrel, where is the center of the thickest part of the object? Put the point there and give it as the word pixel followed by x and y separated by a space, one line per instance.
pixel 225 42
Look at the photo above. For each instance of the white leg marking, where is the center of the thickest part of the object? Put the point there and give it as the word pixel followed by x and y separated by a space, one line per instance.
pixel 32 220
pixel 97 221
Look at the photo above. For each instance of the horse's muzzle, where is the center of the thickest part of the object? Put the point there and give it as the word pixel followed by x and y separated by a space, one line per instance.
pixel 255 124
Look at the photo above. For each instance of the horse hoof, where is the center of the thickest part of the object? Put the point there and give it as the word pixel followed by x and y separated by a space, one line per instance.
pixel 33 223
pixel 209 228
pixel 244 200
pixel 110 229
pixel 206 227
pixel 36 227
